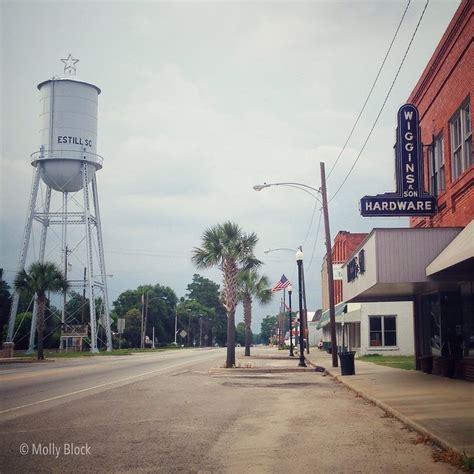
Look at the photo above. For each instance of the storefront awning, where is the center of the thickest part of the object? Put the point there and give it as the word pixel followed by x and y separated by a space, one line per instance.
pixel 350 312
pixel 395 263
pixel 457 258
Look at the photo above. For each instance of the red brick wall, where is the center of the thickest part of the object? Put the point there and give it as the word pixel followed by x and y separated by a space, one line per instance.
pixel 344 244
pixel 446 82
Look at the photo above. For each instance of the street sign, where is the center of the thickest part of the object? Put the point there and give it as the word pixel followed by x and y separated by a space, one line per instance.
pixel 337 271
pixel 74 330
pixel 120 325
pixel 183 333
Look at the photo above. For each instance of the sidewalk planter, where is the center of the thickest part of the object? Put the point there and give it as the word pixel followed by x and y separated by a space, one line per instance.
pixel 347 362
pixel 426 363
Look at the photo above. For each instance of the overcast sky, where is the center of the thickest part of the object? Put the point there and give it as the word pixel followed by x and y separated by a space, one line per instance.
pixel 200 101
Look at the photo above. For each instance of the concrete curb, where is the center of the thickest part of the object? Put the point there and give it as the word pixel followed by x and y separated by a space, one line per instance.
pixel 259 370
pixel 396 414
pixel 17 360
pixel 268 358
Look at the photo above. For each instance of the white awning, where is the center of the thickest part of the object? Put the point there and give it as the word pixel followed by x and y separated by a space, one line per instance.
pixel 458 251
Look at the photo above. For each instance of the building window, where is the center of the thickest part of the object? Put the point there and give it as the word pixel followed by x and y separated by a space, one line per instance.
pixel 461 140
pixel 383 331
pixel 436 166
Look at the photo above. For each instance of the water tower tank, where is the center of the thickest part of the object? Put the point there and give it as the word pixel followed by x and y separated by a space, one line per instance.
pixel 68 133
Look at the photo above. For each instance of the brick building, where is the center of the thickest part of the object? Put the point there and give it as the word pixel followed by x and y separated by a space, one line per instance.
pixel 344 244
pixel 355 322
pixel 443 96
pixel 432 263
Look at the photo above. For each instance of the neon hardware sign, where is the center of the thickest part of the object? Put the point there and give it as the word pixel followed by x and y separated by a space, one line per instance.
pixel 409 199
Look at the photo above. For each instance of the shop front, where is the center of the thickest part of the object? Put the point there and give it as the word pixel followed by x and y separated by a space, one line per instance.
pixel 433 268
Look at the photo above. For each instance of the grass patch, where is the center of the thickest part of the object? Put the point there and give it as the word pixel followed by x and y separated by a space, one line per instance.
pixel 73 355
pixel 397 362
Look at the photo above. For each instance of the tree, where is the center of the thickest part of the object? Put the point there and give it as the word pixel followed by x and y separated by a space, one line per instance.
pixel 206 292
pixel 251 285
pixel 77 308
pixel 133 321
pixel 21 330
pixel 240 334
pixel 267 328
pixel 227 247
pixel 5 302
pixel 40 278
pixel 156 300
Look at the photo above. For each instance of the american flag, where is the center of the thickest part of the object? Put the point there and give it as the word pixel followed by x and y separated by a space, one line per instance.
pixel 282 283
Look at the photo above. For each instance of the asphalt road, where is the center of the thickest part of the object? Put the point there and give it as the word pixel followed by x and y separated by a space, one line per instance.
pixel 165 412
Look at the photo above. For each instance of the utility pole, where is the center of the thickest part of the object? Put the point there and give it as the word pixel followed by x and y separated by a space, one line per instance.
pixel 141 329
pixel 189 328
pixel 332 314
pixel 175 325
pixel 200 331
pixel 146 319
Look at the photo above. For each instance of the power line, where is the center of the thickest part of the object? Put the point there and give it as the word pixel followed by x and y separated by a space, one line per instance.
pixel 311 222
pixel 383 105
pixel 371 90
pixel 315 240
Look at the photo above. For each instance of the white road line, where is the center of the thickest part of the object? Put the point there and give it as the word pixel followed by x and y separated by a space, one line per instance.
pixel 100 386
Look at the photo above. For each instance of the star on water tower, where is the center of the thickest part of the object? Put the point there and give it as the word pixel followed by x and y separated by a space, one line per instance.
pixel 64 197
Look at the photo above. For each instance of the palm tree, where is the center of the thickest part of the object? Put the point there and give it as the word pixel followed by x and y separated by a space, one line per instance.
pixel 252 285
pixel 40 278
pixel 227 247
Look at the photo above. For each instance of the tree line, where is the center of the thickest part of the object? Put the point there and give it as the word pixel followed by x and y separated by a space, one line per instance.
pixel 204 316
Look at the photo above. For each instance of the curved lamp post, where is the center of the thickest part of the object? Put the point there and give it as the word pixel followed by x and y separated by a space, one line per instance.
pixel 281 248
pixel 315 194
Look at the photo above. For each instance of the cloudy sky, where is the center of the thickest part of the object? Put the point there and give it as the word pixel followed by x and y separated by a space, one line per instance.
pixel 202 100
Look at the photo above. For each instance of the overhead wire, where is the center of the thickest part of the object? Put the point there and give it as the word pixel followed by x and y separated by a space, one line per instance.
pixel 371 90
pixel 315 240
pixel 383 104
pixel 311 222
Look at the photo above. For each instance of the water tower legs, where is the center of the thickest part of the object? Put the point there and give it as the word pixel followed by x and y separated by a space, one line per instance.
pixel 44 231
pixel 103 273
pixel 90 259
pixel 24 249
pixel 85 216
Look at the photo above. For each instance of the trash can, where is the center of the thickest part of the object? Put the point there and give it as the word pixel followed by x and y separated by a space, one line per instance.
pixel 347 362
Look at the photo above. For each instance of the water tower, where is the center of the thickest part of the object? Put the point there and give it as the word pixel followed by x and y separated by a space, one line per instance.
pixel 64 195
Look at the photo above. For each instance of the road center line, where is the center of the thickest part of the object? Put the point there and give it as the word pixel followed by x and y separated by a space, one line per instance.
pixel 100 386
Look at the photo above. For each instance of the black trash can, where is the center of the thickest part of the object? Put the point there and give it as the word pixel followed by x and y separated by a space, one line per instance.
pixel 347 362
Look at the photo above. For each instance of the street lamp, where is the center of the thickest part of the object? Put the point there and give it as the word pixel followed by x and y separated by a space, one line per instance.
pixel 281 248
pixel 304 286
pixel 290 290
pixel 145 315
pixel 314 193
pixel 299 261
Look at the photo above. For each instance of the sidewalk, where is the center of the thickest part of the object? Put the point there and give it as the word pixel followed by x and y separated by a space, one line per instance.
pixel 438 407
